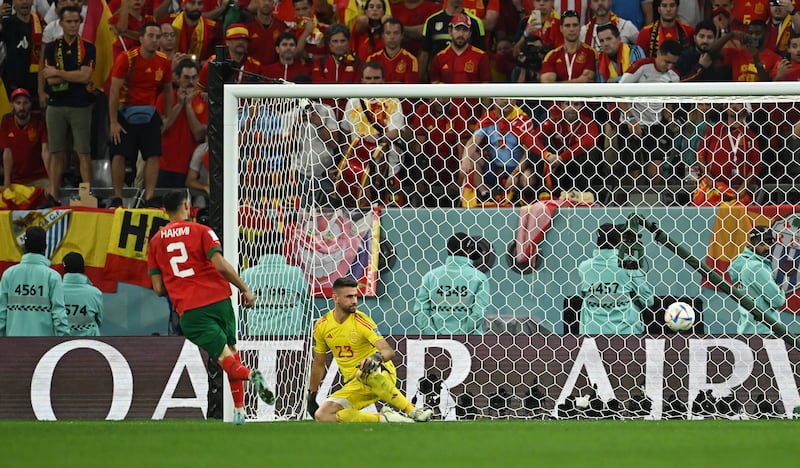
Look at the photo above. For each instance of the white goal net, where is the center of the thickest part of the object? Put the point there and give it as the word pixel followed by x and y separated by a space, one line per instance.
pixel 519 245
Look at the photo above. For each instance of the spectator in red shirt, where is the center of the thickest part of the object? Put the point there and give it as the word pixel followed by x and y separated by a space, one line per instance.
pixel 184 125
pixel 399 65
pixel 573 61
pixel 729 154
pixel 264 31
pixel 460 62
pixel 784 22
pixel 753 61
pixel 195 34
pixel 23 137
pixel 340 65
pixel 789 69
pixel 745 11
pixel 487 11
pixel 544 22
pixel 310 33
pixel 288 65
pixel 439 133
pixel 565 149
pixel 366 32
pixel 412 15
pixel 126 24
pixel 667 28
pixel 136 79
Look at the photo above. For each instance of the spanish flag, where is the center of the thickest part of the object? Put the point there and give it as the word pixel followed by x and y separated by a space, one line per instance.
pixel 729 238
pixel 97 30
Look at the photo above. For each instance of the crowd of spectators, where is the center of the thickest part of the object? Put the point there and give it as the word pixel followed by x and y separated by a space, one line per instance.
pixel 153 106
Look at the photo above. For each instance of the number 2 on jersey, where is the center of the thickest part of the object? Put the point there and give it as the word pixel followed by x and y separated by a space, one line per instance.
pixel 175 261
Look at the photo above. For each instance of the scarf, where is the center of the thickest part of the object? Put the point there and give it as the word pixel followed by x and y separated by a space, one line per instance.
pixel 611 70
pixel 784 32
pixel 657 37
pixel 36 36
pixel 591 26
pixel 195 45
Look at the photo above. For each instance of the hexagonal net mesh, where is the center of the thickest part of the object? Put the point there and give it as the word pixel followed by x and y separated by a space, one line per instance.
pixel 521 254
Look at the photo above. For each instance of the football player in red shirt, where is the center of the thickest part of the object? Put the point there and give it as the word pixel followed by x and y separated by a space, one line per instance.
pixel 184 260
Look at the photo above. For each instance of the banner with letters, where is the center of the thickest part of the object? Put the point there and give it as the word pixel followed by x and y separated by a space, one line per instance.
pixel 158 377
pixel 112 242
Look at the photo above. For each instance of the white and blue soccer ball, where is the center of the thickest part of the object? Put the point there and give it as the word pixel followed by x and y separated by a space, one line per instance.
pixel 679 316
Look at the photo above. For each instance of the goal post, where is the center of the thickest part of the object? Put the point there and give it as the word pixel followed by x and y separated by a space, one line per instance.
pixel 375 181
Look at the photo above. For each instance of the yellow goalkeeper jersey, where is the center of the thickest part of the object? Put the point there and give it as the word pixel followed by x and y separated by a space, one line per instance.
pixel 351 342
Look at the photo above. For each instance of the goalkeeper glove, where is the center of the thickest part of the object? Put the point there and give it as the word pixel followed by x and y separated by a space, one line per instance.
pixel 370 364
pixel 312 404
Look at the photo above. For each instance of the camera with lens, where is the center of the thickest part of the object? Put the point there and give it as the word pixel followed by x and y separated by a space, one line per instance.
pixel 629 239
pixel 530 57
pixel 775 3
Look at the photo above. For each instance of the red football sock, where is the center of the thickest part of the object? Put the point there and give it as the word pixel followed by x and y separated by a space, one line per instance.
pixel 235 369
pixel 237 390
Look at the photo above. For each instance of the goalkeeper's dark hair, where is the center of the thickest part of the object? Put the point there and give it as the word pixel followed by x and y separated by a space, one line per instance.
pixel 173 200
pixel 344 283
pixel 460 244
pixel 608 236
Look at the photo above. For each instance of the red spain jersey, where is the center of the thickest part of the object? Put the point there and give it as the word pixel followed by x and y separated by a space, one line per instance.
pixel 287 72
pixel 262 40
pixel 792 75
pixel 471 66
pixel 402 68
pixel 731 155
pixel 742 66
pixel 415 16
pixel 180 252
pixel 177 142
pixel 26 147
pixel 332 71
pixel 569 66
pixel 745 11
pixel 144 80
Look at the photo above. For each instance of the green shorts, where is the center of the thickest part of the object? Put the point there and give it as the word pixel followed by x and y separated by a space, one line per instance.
pixel 211 327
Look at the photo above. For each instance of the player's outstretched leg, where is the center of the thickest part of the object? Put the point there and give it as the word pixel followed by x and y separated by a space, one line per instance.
pixel 421 414
pixel 391 416
pixel 261 387
pixel 388 393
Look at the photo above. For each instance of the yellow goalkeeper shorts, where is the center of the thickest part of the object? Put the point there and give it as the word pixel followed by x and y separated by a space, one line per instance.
pixel 357 394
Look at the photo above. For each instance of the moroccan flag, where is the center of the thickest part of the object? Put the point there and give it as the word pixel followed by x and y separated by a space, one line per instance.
pixel 97 30
pixel 127 241
pixel 729 238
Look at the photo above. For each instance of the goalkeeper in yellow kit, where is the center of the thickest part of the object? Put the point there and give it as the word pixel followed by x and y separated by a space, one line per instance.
pixel 365 361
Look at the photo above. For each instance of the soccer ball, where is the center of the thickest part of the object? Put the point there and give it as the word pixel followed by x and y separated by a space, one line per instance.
pixel 679 316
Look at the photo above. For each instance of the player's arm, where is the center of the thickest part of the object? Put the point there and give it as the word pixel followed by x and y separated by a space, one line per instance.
pixel 387 353
pixel 317 372
pixel 227 271
pixel 158 285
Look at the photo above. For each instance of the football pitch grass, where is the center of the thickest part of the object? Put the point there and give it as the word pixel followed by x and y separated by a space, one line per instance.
pixel 197 443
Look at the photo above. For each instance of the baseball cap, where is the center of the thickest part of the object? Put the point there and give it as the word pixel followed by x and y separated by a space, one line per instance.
pixel 461 19
pixel 762 235
pixel 35 240
pixel 73 263
pixel 237 31
pixel 20 92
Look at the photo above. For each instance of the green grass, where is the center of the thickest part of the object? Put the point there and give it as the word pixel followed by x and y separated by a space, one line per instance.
pixel 191 443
